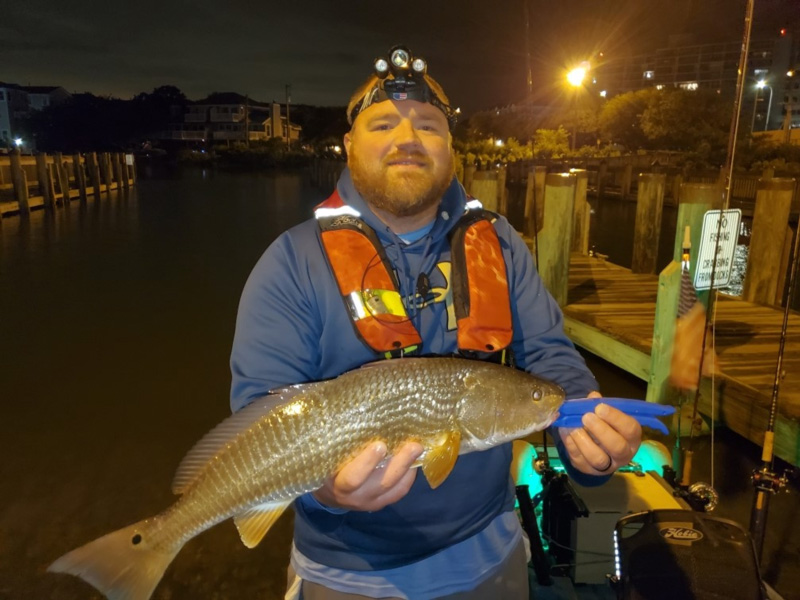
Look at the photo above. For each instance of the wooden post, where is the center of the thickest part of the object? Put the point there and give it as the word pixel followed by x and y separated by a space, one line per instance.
pixel 602 174
pixel 108 160
pixel 669 291
pixel 696 200
pixel 133 168
pixel 627 179
pixel 105 169
pixel 502 196
pixel 763 282
pixel 677 181
pixel 534 200
pixel 555 238
pixel 469 176
pixel 94 173
pixel 45 182
pixel 62 175
pixel 580 235
pixel 115 163
pixel 485 188
pixel 649 203
pixel 20 182
pixel 80 176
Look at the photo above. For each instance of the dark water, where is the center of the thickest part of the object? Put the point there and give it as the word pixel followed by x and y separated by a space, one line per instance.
pixel 116 320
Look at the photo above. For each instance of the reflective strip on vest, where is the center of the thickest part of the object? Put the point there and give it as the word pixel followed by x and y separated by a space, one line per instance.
pixel 364 279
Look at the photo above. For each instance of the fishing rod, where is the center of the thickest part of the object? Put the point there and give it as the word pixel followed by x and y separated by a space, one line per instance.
pixel 728 170
pixel 765 480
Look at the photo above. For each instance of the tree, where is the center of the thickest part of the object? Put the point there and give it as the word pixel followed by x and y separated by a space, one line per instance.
pixel 620 119
pixel 687 120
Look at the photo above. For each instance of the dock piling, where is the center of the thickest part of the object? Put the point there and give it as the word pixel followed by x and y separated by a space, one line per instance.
pixel 766 266
pixel 46 188
pixel 580 235
pixel 20 181
pixel 649 204
pixel 555 239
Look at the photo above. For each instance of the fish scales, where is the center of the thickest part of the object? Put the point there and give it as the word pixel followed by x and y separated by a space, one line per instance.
pixel 449 405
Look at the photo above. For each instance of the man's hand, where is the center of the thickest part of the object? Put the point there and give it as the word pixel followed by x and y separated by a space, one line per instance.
pixel 361 485
pixel 608 440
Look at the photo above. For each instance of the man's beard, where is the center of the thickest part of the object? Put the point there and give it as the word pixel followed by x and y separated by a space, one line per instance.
pixel 400 192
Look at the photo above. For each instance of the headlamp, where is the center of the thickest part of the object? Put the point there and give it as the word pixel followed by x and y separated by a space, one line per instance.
pixel 407 82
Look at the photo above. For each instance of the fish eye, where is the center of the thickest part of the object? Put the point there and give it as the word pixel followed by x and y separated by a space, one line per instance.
pixel 536 395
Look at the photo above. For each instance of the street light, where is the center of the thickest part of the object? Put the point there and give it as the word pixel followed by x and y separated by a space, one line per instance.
pixel 18 142
pixel 761 85
pixel 575 78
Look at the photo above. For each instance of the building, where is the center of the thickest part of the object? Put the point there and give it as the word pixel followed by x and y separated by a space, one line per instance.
pixel 690 66
pixel 18 101
pixel 225 117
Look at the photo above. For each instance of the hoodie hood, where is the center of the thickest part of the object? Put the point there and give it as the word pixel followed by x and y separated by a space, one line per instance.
pixel 452 206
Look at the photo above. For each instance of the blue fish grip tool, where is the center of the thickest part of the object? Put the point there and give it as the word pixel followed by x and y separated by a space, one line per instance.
pixel 647 413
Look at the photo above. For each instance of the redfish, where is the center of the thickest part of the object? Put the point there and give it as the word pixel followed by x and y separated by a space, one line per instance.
pixel 256 462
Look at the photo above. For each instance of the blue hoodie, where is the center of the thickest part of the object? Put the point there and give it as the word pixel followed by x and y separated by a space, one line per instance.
pixel 293 327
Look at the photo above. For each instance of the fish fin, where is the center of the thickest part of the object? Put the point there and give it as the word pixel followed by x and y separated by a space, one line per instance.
pixel 219 437
pixel 123 565
pixel 440 459
pixel 254 523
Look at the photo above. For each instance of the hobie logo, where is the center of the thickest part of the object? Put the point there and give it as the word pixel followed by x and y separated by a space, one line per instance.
pixel 681 534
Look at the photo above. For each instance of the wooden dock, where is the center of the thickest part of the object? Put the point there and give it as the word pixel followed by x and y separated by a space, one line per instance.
pixel 610 311
pixel 43 181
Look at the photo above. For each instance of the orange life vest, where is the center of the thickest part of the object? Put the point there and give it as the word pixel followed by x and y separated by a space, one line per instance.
pixel 370 289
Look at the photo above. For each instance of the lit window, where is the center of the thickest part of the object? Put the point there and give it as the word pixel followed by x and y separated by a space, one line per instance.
pixel 603 93
pixel 691 85
pixel 659 87
pixel 649 74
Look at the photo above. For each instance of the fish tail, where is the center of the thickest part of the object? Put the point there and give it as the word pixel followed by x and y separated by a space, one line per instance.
pixel 123 565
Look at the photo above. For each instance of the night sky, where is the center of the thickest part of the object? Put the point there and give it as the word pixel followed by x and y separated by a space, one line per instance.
pixel 324 48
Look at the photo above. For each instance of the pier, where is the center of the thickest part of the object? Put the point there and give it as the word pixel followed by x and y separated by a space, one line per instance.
pixel 46 181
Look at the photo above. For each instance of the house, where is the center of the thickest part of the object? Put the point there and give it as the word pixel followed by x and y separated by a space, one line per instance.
pixel 17 102
pixel 225 117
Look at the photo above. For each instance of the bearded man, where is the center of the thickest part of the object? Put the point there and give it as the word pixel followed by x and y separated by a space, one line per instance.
pixel 400 262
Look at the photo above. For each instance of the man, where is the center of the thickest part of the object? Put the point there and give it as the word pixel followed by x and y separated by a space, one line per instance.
pixel 376 529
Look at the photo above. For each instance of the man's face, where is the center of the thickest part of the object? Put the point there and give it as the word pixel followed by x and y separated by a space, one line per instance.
pixel 400 157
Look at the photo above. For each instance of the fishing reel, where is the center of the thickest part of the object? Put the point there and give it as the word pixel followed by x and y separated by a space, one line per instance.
pixel 701 494
pixel 768 481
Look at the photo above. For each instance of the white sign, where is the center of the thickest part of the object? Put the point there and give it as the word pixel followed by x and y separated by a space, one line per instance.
pixel 728 233
pixel 129 160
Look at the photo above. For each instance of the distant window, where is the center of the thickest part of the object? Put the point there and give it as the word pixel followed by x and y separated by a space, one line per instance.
pixel 691 85
pixel 758 72
pixel 649 74
pixel 659 87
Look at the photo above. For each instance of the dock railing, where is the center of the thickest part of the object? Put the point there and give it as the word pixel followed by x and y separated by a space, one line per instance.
pixel 46 181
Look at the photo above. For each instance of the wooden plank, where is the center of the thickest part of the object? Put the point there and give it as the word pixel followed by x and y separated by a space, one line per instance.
pixel 669 289
pixel 608 348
